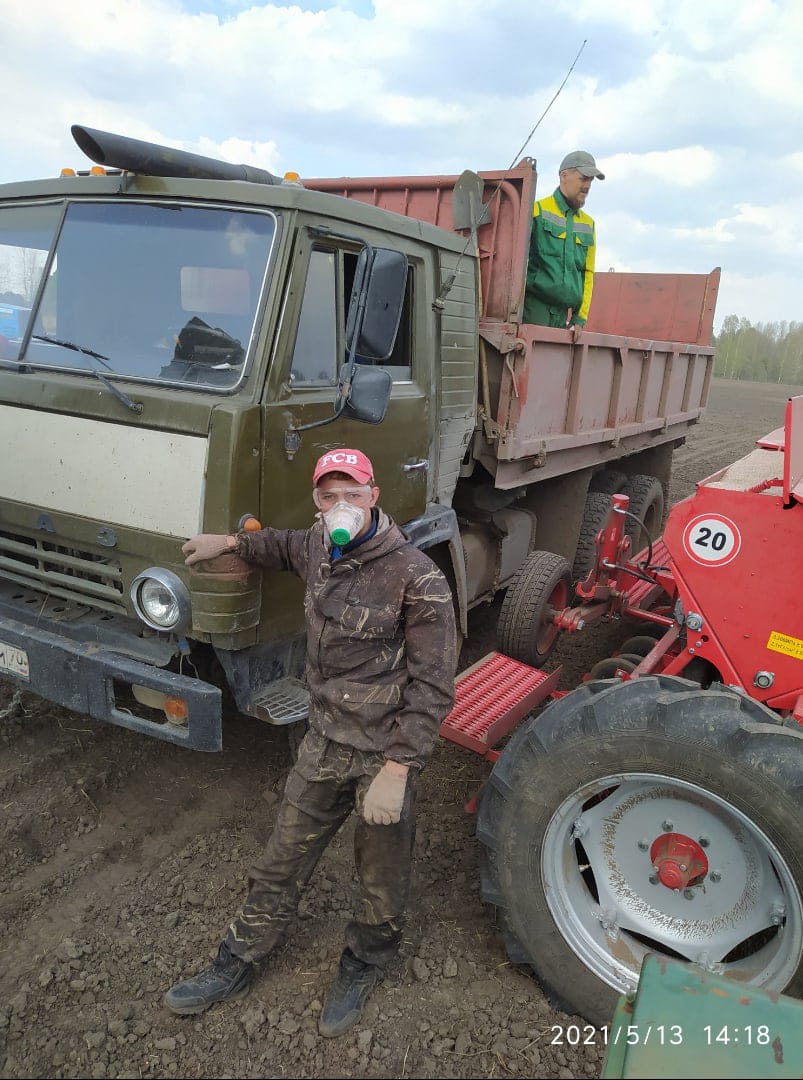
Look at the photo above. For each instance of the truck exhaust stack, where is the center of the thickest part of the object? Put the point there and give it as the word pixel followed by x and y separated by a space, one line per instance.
pixel 150 159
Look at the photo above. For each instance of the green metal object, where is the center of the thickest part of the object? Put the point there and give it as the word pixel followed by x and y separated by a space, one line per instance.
pixel 685 1022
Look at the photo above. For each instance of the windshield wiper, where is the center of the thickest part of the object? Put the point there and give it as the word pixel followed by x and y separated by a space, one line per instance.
pixel 124 398
pixel 75 348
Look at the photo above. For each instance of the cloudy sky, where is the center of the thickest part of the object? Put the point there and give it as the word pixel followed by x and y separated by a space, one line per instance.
pixel 693 108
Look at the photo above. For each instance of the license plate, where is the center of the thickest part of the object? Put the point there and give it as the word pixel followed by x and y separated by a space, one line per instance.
pixel 14 660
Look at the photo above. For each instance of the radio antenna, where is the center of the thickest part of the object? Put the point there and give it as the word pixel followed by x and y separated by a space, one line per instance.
pixel 546 110
pixel 437 303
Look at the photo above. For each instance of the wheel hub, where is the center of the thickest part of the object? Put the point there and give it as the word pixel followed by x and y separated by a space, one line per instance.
pixel 678 860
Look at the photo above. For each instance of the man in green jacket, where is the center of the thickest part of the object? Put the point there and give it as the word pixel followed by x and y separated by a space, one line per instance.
pixel 560 272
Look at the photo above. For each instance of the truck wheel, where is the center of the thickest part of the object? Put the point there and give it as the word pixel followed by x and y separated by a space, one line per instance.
pixel 647 504
pixel 647 816
pixel 595 514
pixel 608 481
pixel 541 587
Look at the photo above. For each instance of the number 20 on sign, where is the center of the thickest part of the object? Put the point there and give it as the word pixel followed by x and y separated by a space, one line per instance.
pixel 712 540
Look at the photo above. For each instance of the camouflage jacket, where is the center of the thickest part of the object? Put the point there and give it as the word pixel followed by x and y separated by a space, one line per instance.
pixel 380 637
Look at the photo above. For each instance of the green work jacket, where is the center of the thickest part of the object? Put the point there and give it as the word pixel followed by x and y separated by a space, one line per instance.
pixel 560 271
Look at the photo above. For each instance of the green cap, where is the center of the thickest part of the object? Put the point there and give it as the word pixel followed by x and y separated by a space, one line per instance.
pixel 583 162
pixel 340 537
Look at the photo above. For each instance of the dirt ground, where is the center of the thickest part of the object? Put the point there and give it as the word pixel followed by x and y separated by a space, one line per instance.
pixel 122 858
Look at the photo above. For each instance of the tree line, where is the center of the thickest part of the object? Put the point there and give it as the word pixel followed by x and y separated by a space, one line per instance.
pixel 764 352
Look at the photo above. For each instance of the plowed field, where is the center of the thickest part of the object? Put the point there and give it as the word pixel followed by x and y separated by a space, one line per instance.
pixel 122 858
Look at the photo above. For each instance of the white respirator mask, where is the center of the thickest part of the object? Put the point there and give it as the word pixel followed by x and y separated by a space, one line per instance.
pixel 343 522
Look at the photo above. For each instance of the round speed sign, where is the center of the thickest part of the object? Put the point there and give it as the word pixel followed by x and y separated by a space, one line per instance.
pixel 712 540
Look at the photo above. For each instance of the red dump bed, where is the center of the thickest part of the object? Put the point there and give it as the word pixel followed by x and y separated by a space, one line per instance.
pixel 639 373
pixel 662 307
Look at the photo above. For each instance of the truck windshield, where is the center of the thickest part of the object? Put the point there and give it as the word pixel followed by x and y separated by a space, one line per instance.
pixel 164 292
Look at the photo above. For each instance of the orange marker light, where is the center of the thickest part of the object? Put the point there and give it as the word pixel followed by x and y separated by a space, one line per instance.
pixel 251 525
pixel 293 177
pixel 97 170
pixel 68 172
pixel 176 710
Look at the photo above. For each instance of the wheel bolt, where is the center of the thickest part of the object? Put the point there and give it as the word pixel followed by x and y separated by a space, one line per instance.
pixel 643 845
pixel 703 841
pixel 667 826
pixel 715 876
pixel 653 879
pixel 689 894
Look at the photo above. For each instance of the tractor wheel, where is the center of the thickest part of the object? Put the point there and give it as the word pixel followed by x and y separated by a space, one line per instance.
pixel 647 504
pixel 608 481
pixel 541 587
pixel 595 514
pixel 647 816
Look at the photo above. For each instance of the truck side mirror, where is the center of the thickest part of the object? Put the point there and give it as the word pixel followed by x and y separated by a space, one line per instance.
pixel 377 298
pixel 369 394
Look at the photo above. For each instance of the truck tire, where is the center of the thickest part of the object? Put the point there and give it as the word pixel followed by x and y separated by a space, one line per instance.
pixel 595 514
pixel 570 819
pixel 647 504
pixel 608 481
pixel 541 586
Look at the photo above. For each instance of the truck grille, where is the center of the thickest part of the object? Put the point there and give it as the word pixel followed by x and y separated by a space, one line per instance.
pixel 66 572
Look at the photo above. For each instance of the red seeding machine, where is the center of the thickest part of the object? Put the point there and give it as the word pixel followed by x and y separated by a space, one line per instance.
pixel 656 808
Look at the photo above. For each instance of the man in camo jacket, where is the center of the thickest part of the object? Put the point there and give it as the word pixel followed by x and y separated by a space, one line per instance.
pixel 380 670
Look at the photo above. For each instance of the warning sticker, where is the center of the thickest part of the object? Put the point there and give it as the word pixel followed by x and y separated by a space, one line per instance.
pixel 785 643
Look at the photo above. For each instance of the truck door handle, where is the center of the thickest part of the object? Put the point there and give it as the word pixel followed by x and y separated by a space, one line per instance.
pixel 417 466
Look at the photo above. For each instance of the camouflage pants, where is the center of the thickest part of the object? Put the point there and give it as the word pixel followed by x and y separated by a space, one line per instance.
pixel 328 781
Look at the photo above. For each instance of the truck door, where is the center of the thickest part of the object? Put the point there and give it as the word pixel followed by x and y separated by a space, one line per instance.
pixel 309 352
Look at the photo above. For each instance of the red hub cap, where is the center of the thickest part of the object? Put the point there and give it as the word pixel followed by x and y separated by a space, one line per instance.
pixel 678 860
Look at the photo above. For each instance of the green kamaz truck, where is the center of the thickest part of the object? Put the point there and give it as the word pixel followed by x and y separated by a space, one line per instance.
pixel 180 339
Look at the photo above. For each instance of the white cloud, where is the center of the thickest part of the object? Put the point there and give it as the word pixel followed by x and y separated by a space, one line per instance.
pixel 686 166
pixel 240 152
pixel 764 228
pixel 690 108
pixel 757 297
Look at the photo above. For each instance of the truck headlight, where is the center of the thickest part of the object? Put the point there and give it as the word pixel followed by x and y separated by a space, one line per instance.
pixel 161 599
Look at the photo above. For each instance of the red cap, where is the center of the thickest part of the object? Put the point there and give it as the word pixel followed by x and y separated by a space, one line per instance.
pixel 353 463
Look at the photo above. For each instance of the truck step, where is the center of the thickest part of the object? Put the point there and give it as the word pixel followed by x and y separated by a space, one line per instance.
pixel 492 696
pixel 282 702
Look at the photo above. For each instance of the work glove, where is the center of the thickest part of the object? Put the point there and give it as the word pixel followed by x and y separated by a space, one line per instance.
pixel 206 546
pixel 385 797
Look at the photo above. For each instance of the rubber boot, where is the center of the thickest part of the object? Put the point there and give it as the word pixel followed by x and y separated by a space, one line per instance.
pixel 226 979
pixel 347 995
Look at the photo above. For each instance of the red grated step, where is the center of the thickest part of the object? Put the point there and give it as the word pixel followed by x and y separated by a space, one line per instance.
pixel 492 696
